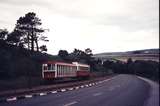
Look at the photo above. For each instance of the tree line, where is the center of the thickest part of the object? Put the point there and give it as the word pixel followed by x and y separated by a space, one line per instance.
pixel 80 56
pixel 148 69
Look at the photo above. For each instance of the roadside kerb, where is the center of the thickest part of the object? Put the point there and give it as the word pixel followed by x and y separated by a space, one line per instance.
pixel 43 93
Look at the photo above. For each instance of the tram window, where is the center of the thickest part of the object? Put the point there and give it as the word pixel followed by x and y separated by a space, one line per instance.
pixel 64 68
pixel 58 70
pixel 44 66
pixel 49 66
pixel 84 68
pixel 53 67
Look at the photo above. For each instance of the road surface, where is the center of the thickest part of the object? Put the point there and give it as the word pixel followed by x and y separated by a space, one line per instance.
pixel 122 90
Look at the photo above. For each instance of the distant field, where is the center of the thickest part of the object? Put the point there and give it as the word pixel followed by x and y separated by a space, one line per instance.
pixel 125 58
pixel 148 54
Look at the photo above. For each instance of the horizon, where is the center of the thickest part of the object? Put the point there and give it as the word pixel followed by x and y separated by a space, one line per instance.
pixel 102 26
pixel 112 52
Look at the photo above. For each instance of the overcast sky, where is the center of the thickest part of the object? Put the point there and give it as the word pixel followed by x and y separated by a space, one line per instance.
pixel 102 25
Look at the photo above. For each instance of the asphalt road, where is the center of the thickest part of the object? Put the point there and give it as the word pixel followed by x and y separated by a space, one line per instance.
pixel 122 90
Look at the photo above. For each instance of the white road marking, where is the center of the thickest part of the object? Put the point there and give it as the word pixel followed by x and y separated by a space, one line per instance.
pixel 97 94
pixel 70 89
pixel 71 103
pixel 28 96
pixel 42 94
pixel 63 90
pixel 107 80
pixel 77 87
pixel 12 99
pixel 82 86
pixel 86 85
pixel 53 91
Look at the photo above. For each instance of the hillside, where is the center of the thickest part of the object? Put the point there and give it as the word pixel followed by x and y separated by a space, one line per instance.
pixel 16 61
pixel 146 54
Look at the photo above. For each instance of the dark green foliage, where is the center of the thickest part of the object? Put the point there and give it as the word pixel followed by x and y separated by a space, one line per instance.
pixel 88 51
pixel 108 64
pixel 136 52
pixel 43 48
pixel 3 34
pixel 63 54
pixel 17 62
pixel 14 38
pixel 149 69
pixel 81 56
pixel 129 66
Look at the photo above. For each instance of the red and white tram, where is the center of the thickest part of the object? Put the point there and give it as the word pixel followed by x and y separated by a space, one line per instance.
pixel 54 70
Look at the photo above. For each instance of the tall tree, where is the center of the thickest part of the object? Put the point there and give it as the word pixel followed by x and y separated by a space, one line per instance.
pixel 63 54
pixel 29 25
pixel 81 56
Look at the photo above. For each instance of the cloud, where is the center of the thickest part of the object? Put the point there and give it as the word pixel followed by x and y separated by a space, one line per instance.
pixel 130 15
pixel 102 25
pixel 25 2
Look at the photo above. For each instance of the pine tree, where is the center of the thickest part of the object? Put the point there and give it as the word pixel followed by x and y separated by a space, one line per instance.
pixel 29 26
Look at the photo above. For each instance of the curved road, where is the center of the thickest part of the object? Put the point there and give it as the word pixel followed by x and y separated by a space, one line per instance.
pixel 121 90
